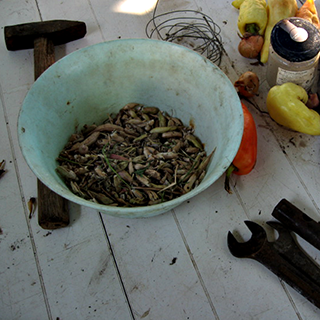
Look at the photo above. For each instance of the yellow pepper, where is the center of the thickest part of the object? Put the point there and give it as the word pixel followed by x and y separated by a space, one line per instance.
pixel 286 105
pixel 253 17
pixel 237 3
pixel 277 10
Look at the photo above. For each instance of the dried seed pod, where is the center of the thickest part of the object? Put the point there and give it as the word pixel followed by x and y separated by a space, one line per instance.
pixel 91 139
pixel 117 183
pixel 195 141
pixel 139 166
pixel 144 180
pixel 132 113
pixel 100 197
pixel 66 173
pixel 177 121
pixel 126 135
pixel 143 157
pixel 149 125
pixel 177 147
pixel 130 168
pixel 162 119
pixel 122 165
pixel 204 163
pixel 76 189
pixel 137 194
pixel 145 117
pixel 166 155
pixel 153 174
pixel 172 134
pixel 83 149
pixel 81 171
pixel 138 159
pixel 108 127
pixel 130 106
pixel 75 138
pixel 192 150
pixel 148 151
pixel 125 176
pixel 138 202
pixel 152 195
pixel 162 129
pixel 164 178
pixel 188 186
pixel 143 136
pixel 136 121
pixel 151 110
pixel 116 137
pixel 88 129
pixel 131 132
pixel 87 142
pixel 158 186
pixel 102 142
pixel 118 157
pixel 100 172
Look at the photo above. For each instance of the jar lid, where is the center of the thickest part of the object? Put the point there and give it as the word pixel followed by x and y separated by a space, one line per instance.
pixel 294 50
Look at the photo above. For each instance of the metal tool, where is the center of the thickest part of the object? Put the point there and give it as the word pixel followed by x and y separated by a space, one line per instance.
pixel 297 221
pixel 283 257
pixel 43 36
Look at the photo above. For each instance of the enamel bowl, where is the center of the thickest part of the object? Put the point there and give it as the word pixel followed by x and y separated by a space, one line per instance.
pixel 83 87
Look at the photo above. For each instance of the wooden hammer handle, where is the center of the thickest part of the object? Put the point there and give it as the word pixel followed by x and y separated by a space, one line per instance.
pixel 44 55
pixel 53 210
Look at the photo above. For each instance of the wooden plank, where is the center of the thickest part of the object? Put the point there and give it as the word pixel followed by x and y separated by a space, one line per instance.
pixel 154 262
pixel 174 266
pixel 21 295
pixel 231 282
pixel 156 270
pixel 241 205
pixel 79 274
pixel 280 170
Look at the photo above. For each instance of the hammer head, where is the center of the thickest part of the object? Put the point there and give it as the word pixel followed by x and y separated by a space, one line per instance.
pixel 22 36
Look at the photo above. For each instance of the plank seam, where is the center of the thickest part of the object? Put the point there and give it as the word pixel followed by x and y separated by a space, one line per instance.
pixel 194 263
pixel 117 267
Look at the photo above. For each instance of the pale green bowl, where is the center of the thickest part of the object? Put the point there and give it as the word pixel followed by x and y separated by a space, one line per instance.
pixel 85 86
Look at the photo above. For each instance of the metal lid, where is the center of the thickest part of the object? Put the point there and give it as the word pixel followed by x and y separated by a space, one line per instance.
pixel 285 46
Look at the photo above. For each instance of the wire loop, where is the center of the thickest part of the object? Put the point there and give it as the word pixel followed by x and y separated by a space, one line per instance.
pixel 190 28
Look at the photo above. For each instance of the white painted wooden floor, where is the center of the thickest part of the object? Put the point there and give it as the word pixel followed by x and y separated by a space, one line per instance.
pixel 173 266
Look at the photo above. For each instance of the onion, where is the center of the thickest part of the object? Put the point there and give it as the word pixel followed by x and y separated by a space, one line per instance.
pixel 250 45
pixel 247 84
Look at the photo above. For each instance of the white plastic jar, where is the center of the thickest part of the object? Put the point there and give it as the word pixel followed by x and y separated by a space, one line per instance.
pixel 294 53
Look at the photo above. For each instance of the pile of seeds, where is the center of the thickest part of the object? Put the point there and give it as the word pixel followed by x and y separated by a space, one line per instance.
pixel 140 156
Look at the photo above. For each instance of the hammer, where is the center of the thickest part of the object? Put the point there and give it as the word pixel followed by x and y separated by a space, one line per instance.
pixel 53 210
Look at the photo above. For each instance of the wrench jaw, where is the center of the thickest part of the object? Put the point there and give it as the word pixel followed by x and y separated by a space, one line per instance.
pixel 285 239
pixel 250 248
pixel 283 257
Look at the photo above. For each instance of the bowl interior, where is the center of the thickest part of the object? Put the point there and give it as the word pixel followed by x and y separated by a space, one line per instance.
pixel 87 85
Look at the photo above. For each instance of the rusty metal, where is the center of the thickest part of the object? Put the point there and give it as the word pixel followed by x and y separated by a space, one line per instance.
pixel 283 257
pixel 297 221
pixel 22 36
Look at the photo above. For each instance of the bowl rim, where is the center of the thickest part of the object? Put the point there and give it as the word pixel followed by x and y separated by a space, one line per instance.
pixel 139 211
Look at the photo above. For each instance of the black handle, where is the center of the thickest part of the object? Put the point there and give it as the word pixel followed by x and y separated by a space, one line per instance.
pixel 294 219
